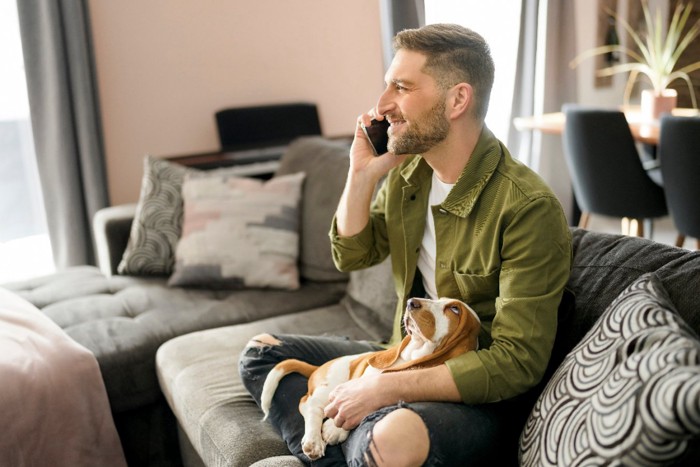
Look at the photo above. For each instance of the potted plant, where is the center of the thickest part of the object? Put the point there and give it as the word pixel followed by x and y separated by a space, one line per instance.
pixel 656 58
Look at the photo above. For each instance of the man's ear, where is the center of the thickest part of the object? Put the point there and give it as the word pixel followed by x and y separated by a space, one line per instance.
pixel 459 100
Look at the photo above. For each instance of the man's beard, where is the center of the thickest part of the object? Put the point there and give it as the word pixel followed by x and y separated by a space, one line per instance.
pixel 422 134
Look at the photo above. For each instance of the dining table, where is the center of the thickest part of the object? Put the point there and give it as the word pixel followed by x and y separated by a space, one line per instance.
pixel 643 130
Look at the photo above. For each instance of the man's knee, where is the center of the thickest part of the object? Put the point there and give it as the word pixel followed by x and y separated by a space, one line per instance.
pixel 400 438
pixel 263 340
pixel 255 353
pixel 256 360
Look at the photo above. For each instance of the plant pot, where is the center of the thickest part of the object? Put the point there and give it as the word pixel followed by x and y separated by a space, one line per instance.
pixel 653 105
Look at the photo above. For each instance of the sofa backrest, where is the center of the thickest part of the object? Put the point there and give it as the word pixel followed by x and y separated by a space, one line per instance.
pixel 371 297
pixel 371 300
pixel 326 164
pixel 604 265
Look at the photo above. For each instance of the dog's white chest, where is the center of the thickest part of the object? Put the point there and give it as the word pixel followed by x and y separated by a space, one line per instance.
pixel 417 349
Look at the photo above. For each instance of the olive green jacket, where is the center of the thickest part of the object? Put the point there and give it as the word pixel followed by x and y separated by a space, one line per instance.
pixel 503 247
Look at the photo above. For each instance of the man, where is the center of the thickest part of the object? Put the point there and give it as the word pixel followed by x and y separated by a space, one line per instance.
pixel 460 219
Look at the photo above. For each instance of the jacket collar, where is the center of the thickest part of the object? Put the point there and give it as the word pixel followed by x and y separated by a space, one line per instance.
pixel 471 182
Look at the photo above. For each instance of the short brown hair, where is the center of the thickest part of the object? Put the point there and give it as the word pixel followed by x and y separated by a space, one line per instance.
pixel 455 55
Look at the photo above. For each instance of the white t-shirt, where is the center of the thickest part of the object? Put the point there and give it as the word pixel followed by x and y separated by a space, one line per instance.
pixel 426 257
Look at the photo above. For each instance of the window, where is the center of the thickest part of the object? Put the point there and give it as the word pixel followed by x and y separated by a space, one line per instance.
pixel 498 21
pixel 25 249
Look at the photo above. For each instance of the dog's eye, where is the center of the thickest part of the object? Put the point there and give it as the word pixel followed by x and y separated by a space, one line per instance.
pixel 454 309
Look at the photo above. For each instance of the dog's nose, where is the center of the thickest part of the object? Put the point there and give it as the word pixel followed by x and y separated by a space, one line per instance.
pixel 413 304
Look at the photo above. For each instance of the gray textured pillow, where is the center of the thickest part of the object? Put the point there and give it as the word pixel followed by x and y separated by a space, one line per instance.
pixel 239 232
pixel 155 231
pixel 627 394
pixel 326 164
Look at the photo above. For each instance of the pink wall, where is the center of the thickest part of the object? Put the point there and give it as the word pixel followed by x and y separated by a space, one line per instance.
pixel 165 66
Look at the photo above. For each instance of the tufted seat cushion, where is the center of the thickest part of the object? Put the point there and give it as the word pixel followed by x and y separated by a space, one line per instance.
pixel 199 376
pixel 123 320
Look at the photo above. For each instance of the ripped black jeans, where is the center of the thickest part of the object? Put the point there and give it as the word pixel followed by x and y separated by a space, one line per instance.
pixel 460 434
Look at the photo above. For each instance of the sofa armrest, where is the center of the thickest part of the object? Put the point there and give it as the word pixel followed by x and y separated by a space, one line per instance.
pixel 112 226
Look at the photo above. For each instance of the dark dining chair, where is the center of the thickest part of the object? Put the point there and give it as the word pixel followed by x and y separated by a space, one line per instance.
pixel 606 171
pixel 679 158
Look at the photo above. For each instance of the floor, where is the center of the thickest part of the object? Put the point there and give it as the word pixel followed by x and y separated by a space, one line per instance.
pixel 664 232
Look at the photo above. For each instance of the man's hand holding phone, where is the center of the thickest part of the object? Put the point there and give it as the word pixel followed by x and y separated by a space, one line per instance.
pixel 378 136
pixel 366 160
pixel 366 170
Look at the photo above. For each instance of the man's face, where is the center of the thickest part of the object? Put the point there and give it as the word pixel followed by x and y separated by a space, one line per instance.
pixel 414 105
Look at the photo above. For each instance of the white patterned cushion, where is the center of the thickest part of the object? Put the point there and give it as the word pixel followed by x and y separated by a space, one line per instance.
pixel 155 230
pixel 239 232
pixel 627 394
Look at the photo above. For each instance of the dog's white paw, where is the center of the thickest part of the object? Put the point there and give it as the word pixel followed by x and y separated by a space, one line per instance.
pixel 333 434
pixel 313 446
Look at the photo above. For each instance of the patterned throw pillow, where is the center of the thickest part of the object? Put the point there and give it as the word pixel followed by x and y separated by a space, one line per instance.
pixel 627 394
pixel 155 231
pixel 239 232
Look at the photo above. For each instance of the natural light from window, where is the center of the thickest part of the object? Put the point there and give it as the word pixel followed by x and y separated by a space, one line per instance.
pixel 25 250
pixel 498 21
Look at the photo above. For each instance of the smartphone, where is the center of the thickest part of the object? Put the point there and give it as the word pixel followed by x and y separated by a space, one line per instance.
pixel 377 135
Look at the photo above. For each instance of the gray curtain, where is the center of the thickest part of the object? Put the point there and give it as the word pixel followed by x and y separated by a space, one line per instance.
pixel 58 57
pixel 543 152
pixel 397 15
pixel 520 142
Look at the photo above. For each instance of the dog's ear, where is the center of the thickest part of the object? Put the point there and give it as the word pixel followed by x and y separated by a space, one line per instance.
pixel 385 358
pixel 470 324
pixel 465 334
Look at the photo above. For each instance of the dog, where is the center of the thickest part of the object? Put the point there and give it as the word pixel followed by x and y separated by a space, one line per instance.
pixel 436 330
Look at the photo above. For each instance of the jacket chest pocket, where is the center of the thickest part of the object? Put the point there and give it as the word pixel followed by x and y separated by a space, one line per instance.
pixel 475 288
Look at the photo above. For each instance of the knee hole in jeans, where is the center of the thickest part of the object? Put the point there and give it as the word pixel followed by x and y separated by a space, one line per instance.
pixel 263 340
pixel 384 445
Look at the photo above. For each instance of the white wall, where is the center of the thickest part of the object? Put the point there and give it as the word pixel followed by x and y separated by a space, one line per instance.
pixel 165 66
pixel 586 20
pixel 586 33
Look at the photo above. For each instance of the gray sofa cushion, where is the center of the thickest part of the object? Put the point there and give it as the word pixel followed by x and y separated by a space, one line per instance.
pixel 371 300
pixel 123 320
pixel 279 461
pixel 604 264
pixel 326 165
pixel 199 377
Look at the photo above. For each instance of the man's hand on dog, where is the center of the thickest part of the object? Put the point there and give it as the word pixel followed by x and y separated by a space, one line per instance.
pixel 352 401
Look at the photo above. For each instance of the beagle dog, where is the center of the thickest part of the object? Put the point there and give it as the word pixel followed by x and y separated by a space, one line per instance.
pixel 436 330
